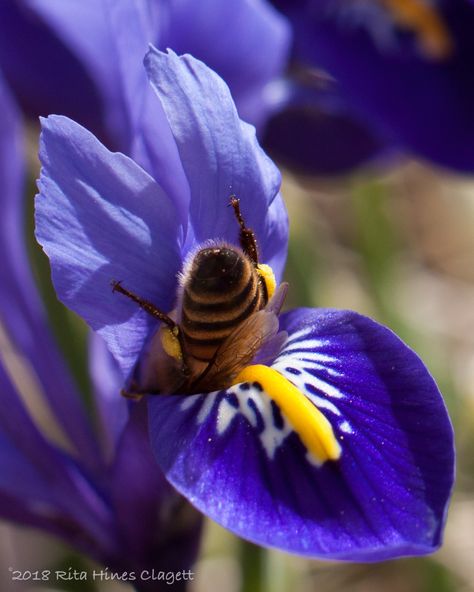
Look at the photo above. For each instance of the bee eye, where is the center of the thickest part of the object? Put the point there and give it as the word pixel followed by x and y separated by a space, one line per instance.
pixel 215 269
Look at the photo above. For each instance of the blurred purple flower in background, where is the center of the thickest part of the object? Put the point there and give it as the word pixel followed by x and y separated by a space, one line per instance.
pixel 329 85
pixel 94 484
pixel 90 54
pixel 82 58
pixel 401 67
pixel 339 445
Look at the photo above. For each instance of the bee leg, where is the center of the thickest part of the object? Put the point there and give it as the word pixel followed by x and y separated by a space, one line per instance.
pixel 248 242
pixel 132 396
pixel 155 312
pixel 147 306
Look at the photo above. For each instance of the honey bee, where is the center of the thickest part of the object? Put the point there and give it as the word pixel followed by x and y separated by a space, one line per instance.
pixel 227 311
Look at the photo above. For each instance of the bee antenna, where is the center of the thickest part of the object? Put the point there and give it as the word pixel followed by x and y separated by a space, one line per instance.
pixel 248 242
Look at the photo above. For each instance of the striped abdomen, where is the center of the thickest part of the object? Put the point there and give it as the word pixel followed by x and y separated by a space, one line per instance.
pixel 222 289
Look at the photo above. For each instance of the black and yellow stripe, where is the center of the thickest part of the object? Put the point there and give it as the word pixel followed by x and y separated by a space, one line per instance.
pixel 221 291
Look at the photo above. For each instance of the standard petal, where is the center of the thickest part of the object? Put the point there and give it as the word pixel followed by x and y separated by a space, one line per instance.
pixel 273 239
pixel 235 455
pixel 130 26
pixel 100 217
pixel 118 33
pixel 220 153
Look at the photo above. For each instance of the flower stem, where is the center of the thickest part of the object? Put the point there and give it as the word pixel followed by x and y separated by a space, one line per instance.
pixel 252 563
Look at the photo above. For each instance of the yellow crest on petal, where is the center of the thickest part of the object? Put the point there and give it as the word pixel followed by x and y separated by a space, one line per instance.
pixel 314 430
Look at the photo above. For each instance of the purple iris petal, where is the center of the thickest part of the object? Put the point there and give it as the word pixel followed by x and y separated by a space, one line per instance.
pixel 58 486
pixel 83 28
pixel 376 62
pixel 136 500
pixel 21 311
pixel 234 455
pixel 18 477
pixel 128 519
pixel 314 131
pixel 107 380
pixel 72 495
pixel 244 41
pixel 219 152
pixel 103 42
pixel 118 33
pixel 44 74
pixel 312 141
pixel 275 233
pixel 100 217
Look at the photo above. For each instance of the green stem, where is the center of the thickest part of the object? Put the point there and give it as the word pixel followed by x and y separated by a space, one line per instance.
pixel 252 563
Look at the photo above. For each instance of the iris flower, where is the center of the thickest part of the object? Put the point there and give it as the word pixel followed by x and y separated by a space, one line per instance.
pixel 403 67
pixel 60 471
pixel 334 441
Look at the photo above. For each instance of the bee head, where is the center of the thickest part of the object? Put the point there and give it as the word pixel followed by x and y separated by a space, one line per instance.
pixel 216 269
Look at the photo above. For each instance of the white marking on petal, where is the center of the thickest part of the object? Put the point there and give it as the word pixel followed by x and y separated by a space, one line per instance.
pixel 303 365
pixel 346 427
pixel 270 436
pixel 301 334
pixel 308 363
pixel 188 402
pixel 225 415
pixel 303 349
pixel 322 403
pixel 206 407
pixel 328 389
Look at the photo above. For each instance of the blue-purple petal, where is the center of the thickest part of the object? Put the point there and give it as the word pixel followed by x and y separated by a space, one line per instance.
pixel 375 62
pixel 246 42
pixel 238 460
pixel 220 153
pixel 313 131
pixel 129 26
pixel 101 218
pixel 107 381
pixel 83 28
pixel 21 311
pixel 43 72
pixel 106 40
pixel 172 542
pixel 59 489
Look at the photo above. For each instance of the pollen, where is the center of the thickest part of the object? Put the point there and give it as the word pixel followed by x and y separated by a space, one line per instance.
pixel 434 37
pixel 266 273
pixel 312 427
pixel 170 342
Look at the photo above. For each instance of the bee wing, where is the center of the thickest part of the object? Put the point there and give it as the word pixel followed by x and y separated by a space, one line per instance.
pixel 243 344
pixel 238 350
